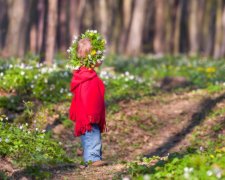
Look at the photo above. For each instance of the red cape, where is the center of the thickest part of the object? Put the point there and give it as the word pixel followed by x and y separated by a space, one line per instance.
pixel 87 106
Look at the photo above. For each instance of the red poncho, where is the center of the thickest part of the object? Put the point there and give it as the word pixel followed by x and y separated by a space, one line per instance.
pixel 87 106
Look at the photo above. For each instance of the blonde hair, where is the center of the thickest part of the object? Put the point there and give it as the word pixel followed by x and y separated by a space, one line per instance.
pixel 84 47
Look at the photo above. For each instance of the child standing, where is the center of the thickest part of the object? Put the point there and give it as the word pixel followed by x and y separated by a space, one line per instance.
pixel 88 107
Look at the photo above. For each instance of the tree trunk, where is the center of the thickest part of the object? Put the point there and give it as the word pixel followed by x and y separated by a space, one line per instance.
pixel 15 29
pixel 103 17
pixel 177 30
pixel 51 31
pixel 169 25
pixel 136 30
pixel 159 27
pixel 116 26
pixel 76 12
pixel 194 27
pixel 223 39
pixel 62 35
pixel 41 27
pixel 3 23
pixel 126 17
pixel 219 30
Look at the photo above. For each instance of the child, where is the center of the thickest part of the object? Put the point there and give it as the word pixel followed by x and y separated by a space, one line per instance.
pixel 88 106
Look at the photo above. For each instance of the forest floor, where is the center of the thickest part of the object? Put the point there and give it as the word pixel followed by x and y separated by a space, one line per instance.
pixel 148 126
pixel 151 125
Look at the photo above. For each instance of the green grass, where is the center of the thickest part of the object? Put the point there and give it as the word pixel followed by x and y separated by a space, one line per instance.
pixel 44 87
pixel 204 164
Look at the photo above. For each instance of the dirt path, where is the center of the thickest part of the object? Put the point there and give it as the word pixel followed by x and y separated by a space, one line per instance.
pixel 148 126
pixel 154 125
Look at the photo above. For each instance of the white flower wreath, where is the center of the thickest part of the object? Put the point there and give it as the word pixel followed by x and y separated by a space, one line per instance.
pixel 96 54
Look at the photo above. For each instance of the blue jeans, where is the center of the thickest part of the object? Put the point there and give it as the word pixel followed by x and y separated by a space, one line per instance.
pixel 92 144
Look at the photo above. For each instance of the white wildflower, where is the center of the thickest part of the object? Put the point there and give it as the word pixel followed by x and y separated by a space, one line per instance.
pixel 10 66
pixel 60 143
pixel 77 67
pixel 126 178
pixel 22 73
pixel 186 175
pixel 127 73
pixel 22 66
pixel 32 86
pixel 7 140
pixel 201 148
pixel 61 90
pixel 26 124
pixel 95 31
pixel 191 169
pixel 131 77
pixel 74 41
pixel 146 177
pixel 209 173
pixel 89 56
pixel 99 52
pixel 217 172
pixel 36 129
pixel 1 74
pixel 21 127
pixel 46 80
pixel 36 76
pixel 68 50
pixel 43 131
pixel 0 139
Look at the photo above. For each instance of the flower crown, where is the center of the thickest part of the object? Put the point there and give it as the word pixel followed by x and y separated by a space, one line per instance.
pixel 96 55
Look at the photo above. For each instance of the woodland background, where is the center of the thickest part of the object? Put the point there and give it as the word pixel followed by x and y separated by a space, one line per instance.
pixel 131 27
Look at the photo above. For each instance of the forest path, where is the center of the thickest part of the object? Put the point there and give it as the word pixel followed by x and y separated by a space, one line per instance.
pixel 149 126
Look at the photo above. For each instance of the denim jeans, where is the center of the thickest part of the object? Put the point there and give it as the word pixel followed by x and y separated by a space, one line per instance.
pixel 92 144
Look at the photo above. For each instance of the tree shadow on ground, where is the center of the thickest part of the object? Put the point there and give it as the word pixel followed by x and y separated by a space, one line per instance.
pixel 36 172
pixel 197 118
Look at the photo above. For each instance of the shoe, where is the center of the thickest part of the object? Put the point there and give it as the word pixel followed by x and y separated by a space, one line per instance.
pixel 99 163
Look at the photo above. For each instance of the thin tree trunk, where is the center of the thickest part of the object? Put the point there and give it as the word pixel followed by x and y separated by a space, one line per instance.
pixel 16 14
pixel 42 13
pixel 193 27
pixel 176 43
pixel 3 23
pixel 208 29
pixel 219 30
pixel 51 31
pixel 159 27
pixel 127 14
pixel 223 40
pixel 62 26
pixel 116 27
pixel 169 25
pixel 76 12
pixel 136 30
pixel 33 39
pixel 24 34
pixel 103 17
